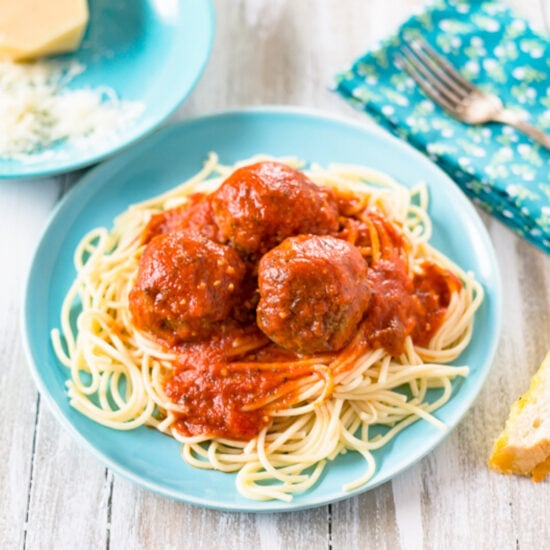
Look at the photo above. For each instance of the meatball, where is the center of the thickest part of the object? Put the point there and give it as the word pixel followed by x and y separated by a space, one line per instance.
pixel 313 293
pixel 259 205
pixel 185 287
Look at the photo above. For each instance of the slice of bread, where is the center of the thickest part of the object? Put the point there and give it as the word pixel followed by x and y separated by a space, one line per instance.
pixel 524 446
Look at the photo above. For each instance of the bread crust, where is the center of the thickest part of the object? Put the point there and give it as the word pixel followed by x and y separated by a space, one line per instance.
pixel 523 447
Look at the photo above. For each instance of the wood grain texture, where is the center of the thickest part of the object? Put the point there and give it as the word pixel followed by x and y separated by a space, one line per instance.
pixel 134 509
pixel 55 494
pixel 21 220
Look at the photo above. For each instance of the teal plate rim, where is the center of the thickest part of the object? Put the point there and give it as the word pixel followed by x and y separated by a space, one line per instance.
pixel 187 37
pixel 153 460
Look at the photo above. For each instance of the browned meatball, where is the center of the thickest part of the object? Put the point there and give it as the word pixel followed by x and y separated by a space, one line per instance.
pixel 259 205
pixel 186 285
pixel 313 293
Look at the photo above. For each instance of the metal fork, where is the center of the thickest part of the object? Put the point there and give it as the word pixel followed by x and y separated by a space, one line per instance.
pixel 460 98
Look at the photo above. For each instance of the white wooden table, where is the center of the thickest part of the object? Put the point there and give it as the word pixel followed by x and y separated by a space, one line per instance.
pixel 53 494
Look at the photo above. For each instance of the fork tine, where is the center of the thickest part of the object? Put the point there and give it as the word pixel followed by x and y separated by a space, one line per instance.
pixel 428 89
pixel 441 65
pixel 428 76
pixel 459 91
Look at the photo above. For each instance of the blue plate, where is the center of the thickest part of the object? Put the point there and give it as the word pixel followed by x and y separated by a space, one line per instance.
pixel 169 157
pixel 148 51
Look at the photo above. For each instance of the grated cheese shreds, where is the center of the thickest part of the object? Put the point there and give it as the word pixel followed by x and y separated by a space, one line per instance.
pixel 38 111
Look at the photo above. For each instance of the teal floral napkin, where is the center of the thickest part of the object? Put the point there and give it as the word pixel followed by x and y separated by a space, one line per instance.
pixel 502 170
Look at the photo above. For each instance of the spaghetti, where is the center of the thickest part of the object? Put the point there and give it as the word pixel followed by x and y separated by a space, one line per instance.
pixel 246 397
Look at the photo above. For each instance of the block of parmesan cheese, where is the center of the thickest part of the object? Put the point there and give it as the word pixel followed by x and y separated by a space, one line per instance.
pixel 523 447
pixel 30 29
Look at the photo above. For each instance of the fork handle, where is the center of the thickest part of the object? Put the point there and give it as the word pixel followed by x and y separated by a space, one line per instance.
pixel 513 119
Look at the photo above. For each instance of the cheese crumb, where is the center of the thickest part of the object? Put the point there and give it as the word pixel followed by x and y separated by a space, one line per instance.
pixel 38 111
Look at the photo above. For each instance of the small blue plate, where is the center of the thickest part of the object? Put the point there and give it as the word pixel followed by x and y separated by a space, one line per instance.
pixel 148 51
pixel 172 155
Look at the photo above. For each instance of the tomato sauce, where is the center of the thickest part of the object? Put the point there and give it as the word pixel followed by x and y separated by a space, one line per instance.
pixel 219 392
pixel 229 390
pixel 432 295
pixel 401 306
pixel 214 398
pixel 196 214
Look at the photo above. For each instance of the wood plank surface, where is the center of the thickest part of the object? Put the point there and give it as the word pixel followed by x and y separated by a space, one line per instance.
pixel 55 494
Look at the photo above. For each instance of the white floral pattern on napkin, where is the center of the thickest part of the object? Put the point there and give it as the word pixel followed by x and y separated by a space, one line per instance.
pixel 499 168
